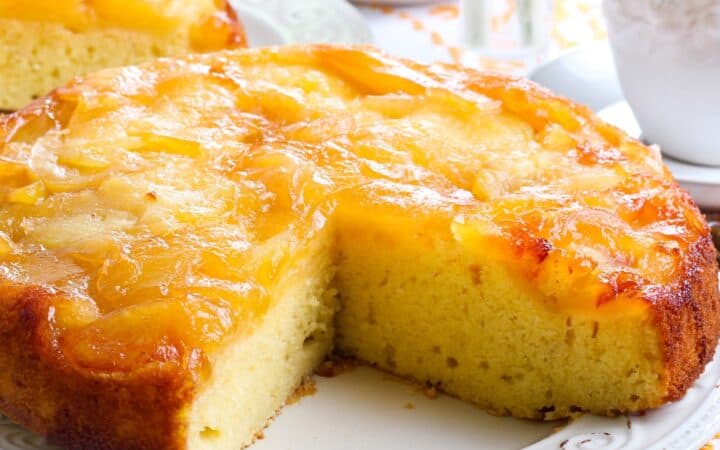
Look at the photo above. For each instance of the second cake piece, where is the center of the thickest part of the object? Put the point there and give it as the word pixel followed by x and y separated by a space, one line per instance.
pixel 44 43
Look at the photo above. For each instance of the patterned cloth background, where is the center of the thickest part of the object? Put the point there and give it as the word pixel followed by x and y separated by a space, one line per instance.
pixel 434 32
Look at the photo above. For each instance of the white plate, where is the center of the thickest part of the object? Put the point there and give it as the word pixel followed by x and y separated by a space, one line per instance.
pixel 587 75
pixel 277 22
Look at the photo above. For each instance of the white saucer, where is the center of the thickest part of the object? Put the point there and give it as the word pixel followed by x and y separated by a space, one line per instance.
pixel 587 75
pixel 278 22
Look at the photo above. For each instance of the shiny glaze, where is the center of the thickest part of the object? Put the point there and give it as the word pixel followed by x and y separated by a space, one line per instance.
pixel 158 205
pixel 211 24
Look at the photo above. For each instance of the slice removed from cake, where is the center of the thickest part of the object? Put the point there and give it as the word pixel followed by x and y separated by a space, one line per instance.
pixel 44 43
pixel 183 241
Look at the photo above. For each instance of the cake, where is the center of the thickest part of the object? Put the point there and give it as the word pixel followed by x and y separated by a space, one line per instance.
pixel 182 242
pixel 44 43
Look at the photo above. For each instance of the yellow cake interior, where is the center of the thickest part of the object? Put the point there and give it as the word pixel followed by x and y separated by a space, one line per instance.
pixel 237 216
pixel 419 305
pixel 422 307
pixel 253 376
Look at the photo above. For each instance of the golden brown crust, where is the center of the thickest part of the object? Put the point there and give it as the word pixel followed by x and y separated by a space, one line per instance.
pixel 687 315
pixel 219 31
pixel 80 410
pixel 238 37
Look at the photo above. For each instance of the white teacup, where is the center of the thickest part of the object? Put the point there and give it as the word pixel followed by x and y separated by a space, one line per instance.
pixel 667 54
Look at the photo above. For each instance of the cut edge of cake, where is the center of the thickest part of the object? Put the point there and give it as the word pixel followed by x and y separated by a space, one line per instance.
pixel 217 403
pixel 255 375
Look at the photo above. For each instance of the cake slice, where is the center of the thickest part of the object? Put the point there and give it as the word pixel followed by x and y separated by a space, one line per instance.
pixel 182 242
pixel 44 43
